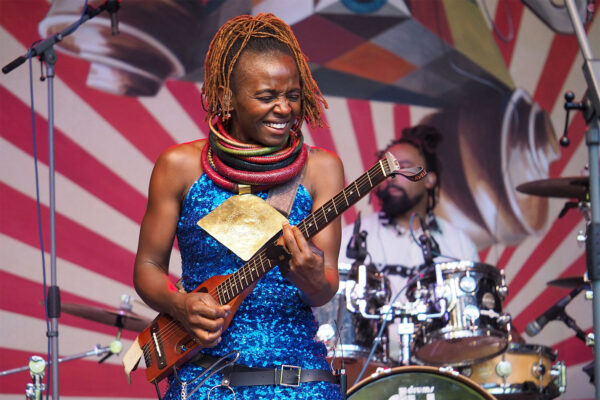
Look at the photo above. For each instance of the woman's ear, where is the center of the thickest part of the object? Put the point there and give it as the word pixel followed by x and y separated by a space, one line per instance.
pixel 225 100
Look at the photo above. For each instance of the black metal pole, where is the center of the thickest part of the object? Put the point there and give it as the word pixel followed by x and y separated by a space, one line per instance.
pixel 591 72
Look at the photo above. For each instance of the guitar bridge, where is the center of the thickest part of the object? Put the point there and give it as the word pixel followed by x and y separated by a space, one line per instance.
pixel 158 346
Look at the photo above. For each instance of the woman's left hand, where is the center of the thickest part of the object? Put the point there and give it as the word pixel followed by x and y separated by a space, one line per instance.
pixel 307 268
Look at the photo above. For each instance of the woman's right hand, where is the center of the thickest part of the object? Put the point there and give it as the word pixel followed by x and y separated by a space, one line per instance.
pixel 202 317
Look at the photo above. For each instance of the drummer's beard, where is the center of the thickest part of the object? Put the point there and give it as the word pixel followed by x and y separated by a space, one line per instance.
pixel 395 205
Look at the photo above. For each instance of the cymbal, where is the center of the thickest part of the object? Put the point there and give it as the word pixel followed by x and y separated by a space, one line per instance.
pixel 574 187
pixel 570 282
pixel 115 317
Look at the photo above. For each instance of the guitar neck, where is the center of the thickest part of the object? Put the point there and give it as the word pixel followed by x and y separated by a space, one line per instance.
pixel 260 263
pixel 355 191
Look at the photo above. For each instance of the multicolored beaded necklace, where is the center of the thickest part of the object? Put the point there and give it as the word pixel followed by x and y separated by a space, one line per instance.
pixel 241 167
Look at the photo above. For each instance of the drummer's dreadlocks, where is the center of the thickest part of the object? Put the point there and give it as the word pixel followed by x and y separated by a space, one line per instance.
pixel 424 138
pixel 263 33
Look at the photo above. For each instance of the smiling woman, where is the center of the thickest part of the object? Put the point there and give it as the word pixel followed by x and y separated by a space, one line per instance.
pixel 269 100
pixel 258 90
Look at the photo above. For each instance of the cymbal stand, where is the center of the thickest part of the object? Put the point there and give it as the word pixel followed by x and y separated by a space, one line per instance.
pixel 591 72
pixel 44 49
pixel 37 366
pixel 114 348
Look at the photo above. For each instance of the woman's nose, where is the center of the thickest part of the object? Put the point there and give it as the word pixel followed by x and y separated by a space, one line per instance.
pixel 283 107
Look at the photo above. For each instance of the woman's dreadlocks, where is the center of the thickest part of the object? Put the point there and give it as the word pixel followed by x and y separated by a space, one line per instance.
pixel 262 33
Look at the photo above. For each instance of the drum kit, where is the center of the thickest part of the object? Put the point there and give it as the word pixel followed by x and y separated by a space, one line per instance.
pixel 455 341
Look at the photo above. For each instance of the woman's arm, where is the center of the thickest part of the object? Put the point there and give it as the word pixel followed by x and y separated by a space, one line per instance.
pixel 173 173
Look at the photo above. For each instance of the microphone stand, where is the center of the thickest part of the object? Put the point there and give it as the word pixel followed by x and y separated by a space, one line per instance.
pixel 570 322
pixel 425 244
pixel 591 72
pixel 46 53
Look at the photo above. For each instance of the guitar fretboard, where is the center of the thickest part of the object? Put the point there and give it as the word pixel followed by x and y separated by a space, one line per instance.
pixel 260 264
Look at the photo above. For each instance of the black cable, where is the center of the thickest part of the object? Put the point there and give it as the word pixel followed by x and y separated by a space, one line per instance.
pixel 39 211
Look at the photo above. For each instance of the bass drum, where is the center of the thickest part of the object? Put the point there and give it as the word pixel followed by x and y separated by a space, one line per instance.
pixel 417 383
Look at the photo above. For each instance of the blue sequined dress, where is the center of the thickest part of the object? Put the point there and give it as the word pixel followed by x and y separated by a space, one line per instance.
pixel 273 326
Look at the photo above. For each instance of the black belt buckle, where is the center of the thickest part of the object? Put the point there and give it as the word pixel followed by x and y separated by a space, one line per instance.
pixel 284 368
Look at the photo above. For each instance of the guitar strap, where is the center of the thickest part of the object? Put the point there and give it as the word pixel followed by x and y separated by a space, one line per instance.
pixel 282 197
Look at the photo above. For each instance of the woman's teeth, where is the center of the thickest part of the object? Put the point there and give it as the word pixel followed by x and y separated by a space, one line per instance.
pixel 276 125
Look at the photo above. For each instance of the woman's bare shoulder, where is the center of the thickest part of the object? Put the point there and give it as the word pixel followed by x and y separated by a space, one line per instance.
pixel 180 165
pixel 324 170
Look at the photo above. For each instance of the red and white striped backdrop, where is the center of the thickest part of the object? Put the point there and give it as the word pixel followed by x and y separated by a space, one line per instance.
pixel 105 149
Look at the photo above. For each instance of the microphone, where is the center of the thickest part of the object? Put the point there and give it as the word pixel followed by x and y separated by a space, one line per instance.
pixel 357 246
pixel 435 247
pixel 112 6
pixel 554 312
pixel 428 243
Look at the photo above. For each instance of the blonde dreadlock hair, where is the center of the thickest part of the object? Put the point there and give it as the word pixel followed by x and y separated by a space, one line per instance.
pixel 263 33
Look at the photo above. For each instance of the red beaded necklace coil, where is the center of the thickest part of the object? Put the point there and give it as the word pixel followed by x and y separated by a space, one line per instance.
pixel 226 172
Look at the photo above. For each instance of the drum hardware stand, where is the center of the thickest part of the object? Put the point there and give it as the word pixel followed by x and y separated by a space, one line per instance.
pixel 591 72
pixel 558 373
pixel 45 51
pixel 342 371
pixel 408 312
pixel 37 369
pixel 406 330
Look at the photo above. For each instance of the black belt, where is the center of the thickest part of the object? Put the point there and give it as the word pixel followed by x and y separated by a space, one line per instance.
pixel 284 375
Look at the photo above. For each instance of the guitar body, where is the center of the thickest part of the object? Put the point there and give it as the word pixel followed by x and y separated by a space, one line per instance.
pixel 167 344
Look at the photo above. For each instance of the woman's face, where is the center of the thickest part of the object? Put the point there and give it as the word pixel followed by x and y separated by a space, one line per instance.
pixel 266 98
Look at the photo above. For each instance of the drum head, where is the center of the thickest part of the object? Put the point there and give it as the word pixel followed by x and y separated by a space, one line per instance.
pixel 427 383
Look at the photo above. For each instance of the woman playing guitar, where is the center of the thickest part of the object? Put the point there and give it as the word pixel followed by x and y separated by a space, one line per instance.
pixel 258 90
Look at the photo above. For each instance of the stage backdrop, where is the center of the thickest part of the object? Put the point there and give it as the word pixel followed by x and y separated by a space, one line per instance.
pixel 488 73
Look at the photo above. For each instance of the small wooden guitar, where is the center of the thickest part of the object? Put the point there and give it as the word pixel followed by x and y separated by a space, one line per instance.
pixel 167 345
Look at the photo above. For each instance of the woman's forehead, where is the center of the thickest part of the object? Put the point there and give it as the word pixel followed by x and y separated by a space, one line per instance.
pixel 255 66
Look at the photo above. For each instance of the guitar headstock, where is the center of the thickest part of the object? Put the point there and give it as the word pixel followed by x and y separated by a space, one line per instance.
pixel 412 174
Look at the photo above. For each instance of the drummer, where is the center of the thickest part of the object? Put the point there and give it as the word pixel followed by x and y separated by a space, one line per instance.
pixel 389 241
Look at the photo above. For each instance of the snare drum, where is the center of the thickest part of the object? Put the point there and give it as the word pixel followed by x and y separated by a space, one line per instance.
pixel 474 327
pixel 417 383
pixel 523 372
